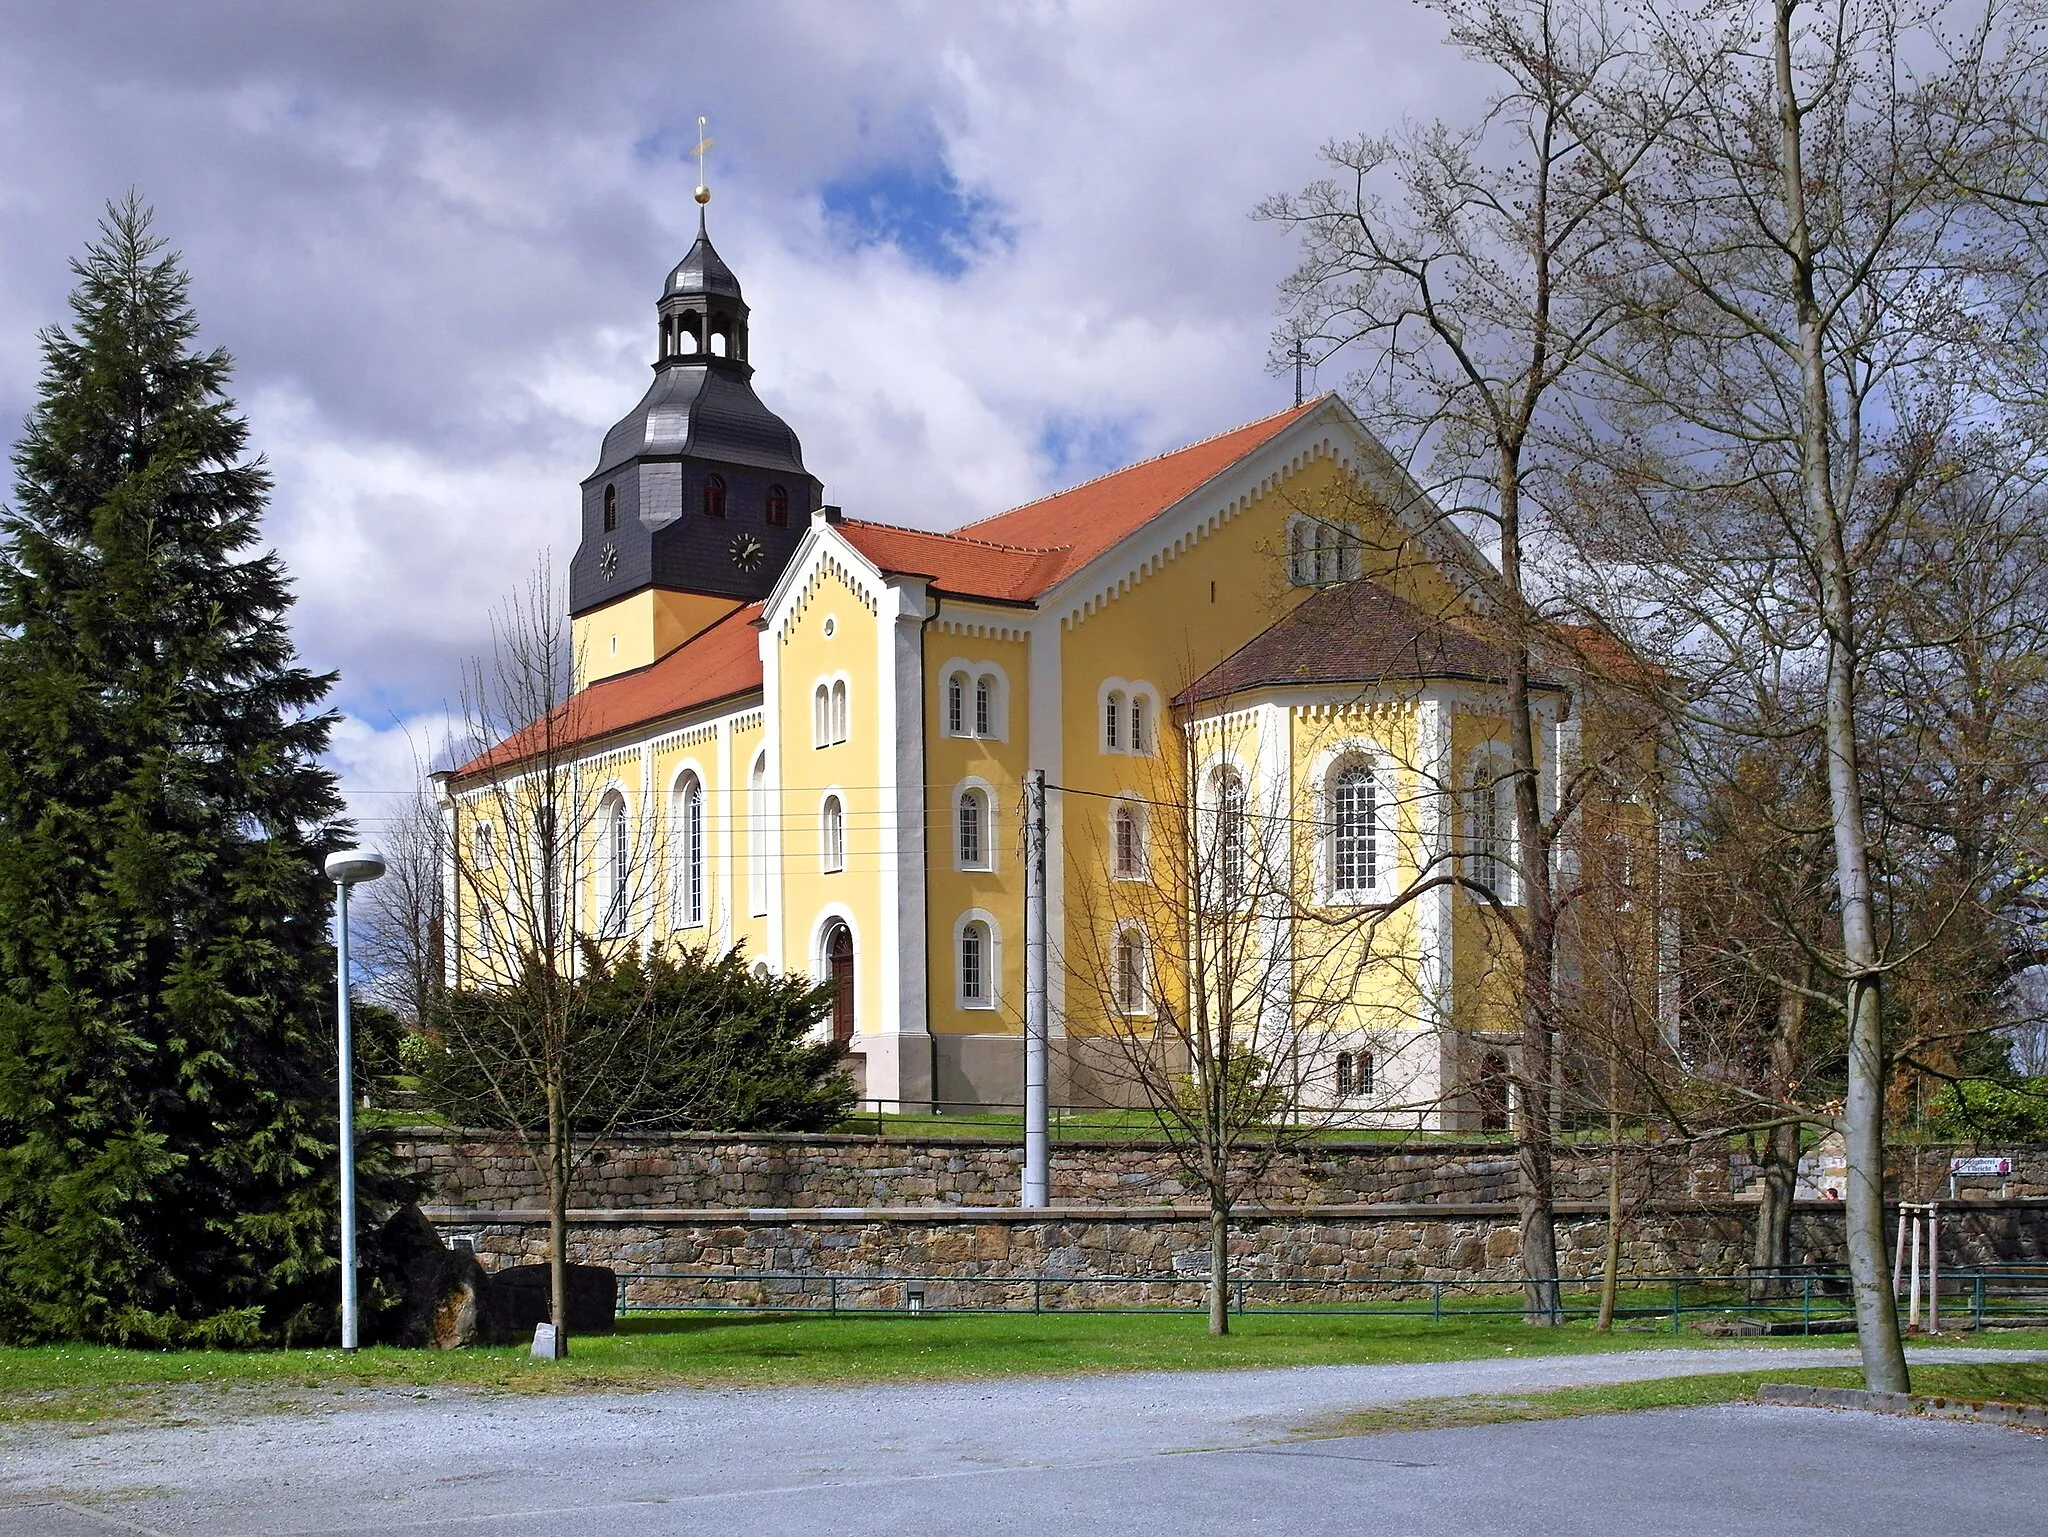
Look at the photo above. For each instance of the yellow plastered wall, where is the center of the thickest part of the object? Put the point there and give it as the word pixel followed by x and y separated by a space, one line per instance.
pixel 1378 964
pixel 995 764
pixel 853 769
pixel 640 629
pixel 1173 623
pixel 1485 966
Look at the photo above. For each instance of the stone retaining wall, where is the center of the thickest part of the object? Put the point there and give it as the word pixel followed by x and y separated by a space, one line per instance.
pixel 984 1251
pixel 807 1172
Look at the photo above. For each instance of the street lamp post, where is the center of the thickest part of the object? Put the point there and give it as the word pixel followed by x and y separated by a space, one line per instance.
pixel 349 867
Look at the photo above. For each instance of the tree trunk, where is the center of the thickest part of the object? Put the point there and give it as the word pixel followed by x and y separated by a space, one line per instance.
pixel 1219 1267
pixel 1877 1321
pixel 560 1159
pixel 1771 1251
pixel 1610 1260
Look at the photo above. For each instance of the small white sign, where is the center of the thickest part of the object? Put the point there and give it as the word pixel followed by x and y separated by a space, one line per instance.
pixel 1981 1167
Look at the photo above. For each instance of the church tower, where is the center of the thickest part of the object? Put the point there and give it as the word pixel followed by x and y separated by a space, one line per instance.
pixel 700 494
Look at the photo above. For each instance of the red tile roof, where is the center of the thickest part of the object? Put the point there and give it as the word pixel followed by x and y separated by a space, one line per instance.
pixel 1018 555
pixel 719 662
pixel 1013 557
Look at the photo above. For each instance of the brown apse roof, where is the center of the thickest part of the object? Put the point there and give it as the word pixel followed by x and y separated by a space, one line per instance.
pixel 1358 632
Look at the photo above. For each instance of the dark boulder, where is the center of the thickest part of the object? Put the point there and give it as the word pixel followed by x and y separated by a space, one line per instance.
pixel 521 1296
pixel 444 1299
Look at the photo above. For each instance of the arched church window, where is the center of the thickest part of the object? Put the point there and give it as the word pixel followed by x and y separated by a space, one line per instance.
pixel 1127 839
pixel 839 710
pixel 714 496
pixel 1354 796
pixel 984 696
pixel 778 506
pixel 611 508
pixel 832 835
pixel 688 834
pixel 956 705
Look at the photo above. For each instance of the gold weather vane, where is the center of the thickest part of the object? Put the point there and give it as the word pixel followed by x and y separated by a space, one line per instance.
pixel 703 145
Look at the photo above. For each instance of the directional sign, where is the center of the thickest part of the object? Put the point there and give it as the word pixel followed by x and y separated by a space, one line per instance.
pixel 1980 1166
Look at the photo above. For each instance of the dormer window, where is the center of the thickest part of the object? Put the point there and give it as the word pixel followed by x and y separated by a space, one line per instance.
pixel 611 509
pixel 714 496
pixel 778 506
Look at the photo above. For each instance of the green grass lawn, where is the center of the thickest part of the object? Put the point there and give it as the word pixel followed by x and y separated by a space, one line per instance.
pixel 86 1383
pixel 2007 1382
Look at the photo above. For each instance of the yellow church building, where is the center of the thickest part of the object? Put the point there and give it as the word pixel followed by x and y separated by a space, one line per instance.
pixel 807 733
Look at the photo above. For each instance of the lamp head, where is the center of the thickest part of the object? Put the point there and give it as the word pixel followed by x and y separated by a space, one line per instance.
pixel 351 867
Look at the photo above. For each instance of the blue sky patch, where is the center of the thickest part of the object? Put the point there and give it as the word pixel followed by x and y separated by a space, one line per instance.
pixel 920 209
pixel 1078 448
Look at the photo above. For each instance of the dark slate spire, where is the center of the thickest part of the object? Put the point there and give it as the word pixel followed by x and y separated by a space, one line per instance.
pixel 699 439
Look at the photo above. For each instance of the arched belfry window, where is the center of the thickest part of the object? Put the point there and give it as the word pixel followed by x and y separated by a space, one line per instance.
pixel 778 505
pixel 718 344
pixel 686 335
pixel 714 496
pixel 611 508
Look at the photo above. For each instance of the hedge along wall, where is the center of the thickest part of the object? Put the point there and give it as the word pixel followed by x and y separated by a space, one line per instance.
pixel 1330 1244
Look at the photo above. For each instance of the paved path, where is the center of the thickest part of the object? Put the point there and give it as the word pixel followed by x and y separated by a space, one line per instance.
pixel 1169 1453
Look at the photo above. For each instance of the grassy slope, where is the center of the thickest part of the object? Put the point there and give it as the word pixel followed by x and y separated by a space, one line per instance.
pixel 76 1382
pixel 2010 1383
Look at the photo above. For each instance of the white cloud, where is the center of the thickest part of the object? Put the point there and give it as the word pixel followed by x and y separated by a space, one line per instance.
pixel 433 237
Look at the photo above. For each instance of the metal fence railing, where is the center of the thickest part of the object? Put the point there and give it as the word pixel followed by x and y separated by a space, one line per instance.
pixel 1805 1301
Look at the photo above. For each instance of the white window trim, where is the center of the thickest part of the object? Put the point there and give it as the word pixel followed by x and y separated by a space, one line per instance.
pixel 1143 824
pixel 992 962
pixel 679 916
pixel 1322 534
pixel 1387 866
pixel 825 866
pixel 830 726
pixel 998 705
pixel 1492 763
pixel 1148 1005
pixel 613 874
pixel 757 834
pixel 988 823
pixel 1127 689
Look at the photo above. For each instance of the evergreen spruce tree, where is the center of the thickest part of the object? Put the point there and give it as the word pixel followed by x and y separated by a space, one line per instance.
pixel 167 1126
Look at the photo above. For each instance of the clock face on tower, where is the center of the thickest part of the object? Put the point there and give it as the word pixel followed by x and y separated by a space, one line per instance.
pixel 608 561
pixel 746 551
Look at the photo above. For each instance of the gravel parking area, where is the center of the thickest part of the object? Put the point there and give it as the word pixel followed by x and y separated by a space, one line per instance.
pixel 1130 1454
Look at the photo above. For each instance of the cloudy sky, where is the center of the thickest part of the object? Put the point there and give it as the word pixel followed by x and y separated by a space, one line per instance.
pixel 991 248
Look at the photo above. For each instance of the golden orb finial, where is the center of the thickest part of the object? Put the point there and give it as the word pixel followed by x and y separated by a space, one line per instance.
pixel 703 193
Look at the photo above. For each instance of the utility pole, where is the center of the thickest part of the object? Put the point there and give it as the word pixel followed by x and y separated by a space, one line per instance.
pixel 1035 1154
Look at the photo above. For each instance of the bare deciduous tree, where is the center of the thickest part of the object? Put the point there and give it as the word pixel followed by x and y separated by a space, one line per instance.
pixel 1809 277
pixel 1464 267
